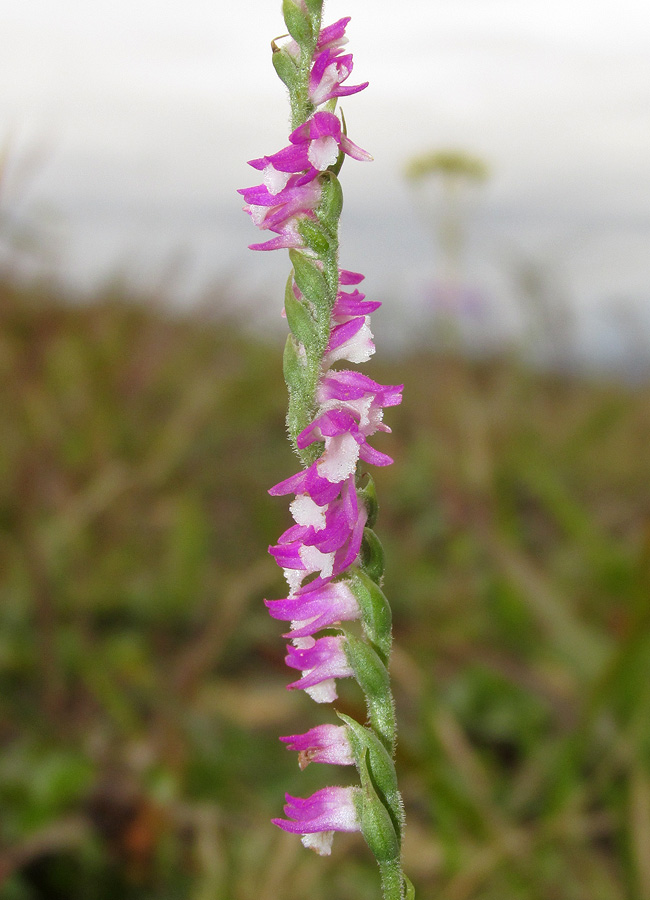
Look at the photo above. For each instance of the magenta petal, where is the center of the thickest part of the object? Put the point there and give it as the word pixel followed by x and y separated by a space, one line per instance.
pixel 342 91
pixel 290 159
pixel 348 554
pixel 347 277
pixel 321 124
pixel 321 62
pixel 354 150
pixel 287 556
pixel 329 424
pixel 333 33
pixel 308 482
pixel 287 240
pixel 342 333
pixel 346 384
pixel 374 457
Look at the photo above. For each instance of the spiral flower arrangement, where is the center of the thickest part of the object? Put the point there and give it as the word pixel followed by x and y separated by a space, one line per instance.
pixel 331 557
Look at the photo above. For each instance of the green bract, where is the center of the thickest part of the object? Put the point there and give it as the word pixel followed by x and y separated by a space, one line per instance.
pixel 372 556
pixel 375 612
pixel 314 237
pixel 314 6
pixel 298 24
pixel 286 68
pixel 309 278
pixel 367 493
pixel 374 681
pixel 376 823
pixel 300 319
pixel 367 747
pixel 331 205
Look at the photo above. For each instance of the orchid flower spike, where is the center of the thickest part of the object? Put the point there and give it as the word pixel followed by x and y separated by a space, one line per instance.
pixel 340 620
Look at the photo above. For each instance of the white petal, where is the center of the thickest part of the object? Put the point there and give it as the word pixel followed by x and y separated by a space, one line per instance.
pixel 294 579
pixel 340 458
pixel 323 152
pixel 323 692
pixel 358 349
pixel 306 512
pixel 321 842
pixel 315 561
pixel 275 181
pixel 304 643
pixel 257 213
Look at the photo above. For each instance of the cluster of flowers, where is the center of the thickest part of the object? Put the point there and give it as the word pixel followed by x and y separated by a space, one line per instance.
pixel 291 188
pixel 330 517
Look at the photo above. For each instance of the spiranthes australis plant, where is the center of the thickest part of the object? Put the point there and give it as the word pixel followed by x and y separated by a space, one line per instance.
pixel 331 557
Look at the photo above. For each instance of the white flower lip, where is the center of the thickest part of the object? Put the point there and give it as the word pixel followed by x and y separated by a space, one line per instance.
pixel 323 152
pixel 274 180
pixel 320 842
pixel 306 512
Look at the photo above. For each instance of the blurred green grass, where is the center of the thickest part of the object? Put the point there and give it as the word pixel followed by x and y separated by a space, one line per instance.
pixel 142 682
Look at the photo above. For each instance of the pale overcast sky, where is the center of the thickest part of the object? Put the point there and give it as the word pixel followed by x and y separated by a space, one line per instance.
pixel 151 107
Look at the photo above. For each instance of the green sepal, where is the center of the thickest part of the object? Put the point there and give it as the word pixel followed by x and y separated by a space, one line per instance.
pixel 300 319
pixel 368 496
pixel 293 365
pixel 338 165
pixel 296 377
pixel 375 609
pixel 313 236
pixel 298 24
pixel 376 824
pixel 285 67
pixel 315 7
pixel 309 277
pixel 331 204
pixel 372 555
pixel 409 890
pixel 336 168
pixel 300 381
pixel 379 764
pixel 372 677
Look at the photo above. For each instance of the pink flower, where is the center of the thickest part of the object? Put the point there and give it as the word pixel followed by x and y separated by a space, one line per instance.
pixel 315 145
pixel 321 661
pixel 347 277
pixel 352 303
pixel 269 210
pixel 323 744
pixel 314 607
pixel 333 36
pixel 325 539
pixel 328 73
pixel 317 817
pixel 351 340
pixel 288 239
pixel 344 428
pixel 361 393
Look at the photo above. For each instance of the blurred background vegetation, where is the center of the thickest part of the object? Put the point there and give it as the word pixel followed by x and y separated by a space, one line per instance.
pixel 142 681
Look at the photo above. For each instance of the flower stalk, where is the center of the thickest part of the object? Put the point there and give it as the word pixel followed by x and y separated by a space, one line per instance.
pixel 331 557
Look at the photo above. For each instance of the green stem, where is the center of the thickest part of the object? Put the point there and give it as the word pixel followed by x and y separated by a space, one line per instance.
pixel 392 880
